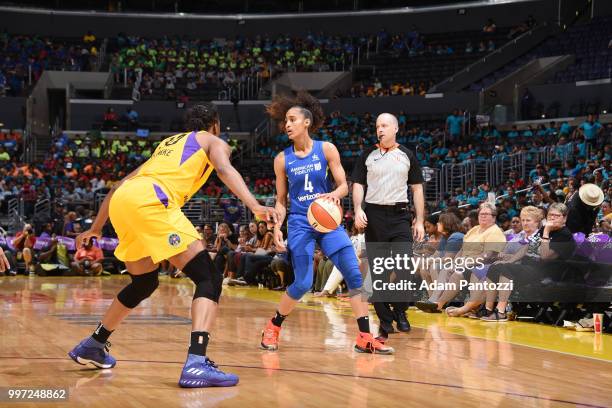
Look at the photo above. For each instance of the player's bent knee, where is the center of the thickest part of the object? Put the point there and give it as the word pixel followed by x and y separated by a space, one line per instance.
pixel 141 287
pixel 203 273
pixel 296 290
pixel 346 262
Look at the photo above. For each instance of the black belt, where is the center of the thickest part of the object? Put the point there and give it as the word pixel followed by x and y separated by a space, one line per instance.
pixel 397 207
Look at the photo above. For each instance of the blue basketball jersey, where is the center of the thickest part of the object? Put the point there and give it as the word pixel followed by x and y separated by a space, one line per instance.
pixel 307 176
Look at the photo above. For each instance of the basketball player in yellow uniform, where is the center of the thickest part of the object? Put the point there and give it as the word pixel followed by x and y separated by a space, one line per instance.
pixel 145 210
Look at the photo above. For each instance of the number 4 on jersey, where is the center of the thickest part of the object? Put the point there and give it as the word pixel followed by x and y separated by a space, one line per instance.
pixel 308 185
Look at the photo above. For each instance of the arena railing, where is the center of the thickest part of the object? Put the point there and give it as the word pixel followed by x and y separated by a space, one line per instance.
pixel 42 207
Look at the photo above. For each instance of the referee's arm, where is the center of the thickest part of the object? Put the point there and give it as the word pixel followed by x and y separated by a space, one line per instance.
pixel 360 179
pixel 415 180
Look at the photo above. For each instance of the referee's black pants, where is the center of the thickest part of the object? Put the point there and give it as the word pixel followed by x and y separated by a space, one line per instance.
pixel 388 223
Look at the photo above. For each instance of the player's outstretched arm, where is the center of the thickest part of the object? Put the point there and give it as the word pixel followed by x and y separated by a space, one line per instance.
pixel 281 199
pixel 96 228
pixel 335 166
pixel 219 154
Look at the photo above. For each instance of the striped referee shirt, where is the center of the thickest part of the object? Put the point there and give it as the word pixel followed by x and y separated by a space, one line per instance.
pixel 387 174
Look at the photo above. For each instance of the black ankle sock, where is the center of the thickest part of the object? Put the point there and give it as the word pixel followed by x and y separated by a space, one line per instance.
pixel 364 324
pixel 278 319
pixel 101 334
pixel 199 342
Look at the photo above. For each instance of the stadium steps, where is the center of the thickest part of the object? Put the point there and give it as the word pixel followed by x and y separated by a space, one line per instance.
pixel 43 145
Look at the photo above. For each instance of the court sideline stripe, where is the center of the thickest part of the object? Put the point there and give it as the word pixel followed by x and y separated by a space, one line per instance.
pixel 459 387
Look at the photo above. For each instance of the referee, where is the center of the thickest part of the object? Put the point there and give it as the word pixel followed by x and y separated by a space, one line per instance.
pixel 384 172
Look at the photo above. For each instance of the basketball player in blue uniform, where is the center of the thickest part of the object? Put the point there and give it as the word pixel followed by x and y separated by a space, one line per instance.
pixel 303 170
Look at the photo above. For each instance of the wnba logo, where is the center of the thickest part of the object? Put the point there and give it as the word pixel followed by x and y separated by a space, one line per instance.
pixel 174 240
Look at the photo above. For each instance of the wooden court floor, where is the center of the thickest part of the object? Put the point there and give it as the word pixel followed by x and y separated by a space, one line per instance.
pixel 442 362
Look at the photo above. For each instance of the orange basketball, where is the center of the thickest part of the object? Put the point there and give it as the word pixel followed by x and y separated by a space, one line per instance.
pixel 324 216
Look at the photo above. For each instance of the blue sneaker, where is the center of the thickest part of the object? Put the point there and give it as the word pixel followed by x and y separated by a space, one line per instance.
pixel 200 372
pixel 89 352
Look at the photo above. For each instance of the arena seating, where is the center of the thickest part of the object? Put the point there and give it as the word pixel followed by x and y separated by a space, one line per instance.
pixel 437 56
pixel 23 58
pixel 588 42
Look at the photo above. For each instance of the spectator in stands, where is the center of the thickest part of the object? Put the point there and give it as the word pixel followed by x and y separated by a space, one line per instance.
pixel 522 28
pixel 539 197
pixel 454 126
pixel 247 243
pixel 24 246
pixel 110 119
pixel 469 48
pixel 531 218
pixel 504 222
pixel 583 208
pixel 527 103
pixel 212 190
pixel 515 227
pixel 225 242
pixel 252 263
pixel 4 156
pixel 590 129
pixel 209 237
pixel 542 257
pixel 232 210
pixel 432 234
pixel 484 241
pixel 449 226
pixel 131 116
pixel 47 261
pixel 87 259
pixel 489 26
pixel 29 196
pixel 255 263
pixel 70 221
pixel 89 38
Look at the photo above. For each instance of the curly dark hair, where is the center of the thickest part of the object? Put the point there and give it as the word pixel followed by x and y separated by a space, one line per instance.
pixel 451 222
pixel 309 105
pixel 201 117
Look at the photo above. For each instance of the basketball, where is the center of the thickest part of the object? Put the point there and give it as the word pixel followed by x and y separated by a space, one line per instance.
pixel 324 216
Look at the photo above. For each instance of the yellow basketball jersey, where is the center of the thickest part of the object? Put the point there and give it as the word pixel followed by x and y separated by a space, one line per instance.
pixel 180 166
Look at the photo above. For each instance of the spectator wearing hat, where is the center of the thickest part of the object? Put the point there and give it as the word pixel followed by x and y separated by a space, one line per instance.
pixel 583 207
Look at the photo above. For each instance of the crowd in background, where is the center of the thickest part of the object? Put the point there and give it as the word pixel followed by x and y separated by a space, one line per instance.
pixel 23 58
pixel 75 170
pixel 172 62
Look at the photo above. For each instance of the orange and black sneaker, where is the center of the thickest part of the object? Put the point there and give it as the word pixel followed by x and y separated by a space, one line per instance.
pixel 366 343
pixel 269 337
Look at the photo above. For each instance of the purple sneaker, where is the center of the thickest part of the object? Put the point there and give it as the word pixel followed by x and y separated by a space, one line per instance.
pixel 89 351
pixel 200 372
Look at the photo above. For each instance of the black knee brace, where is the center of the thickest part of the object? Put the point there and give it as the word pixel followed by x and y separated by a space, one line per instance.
pixel 142 287
pixel 201 270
